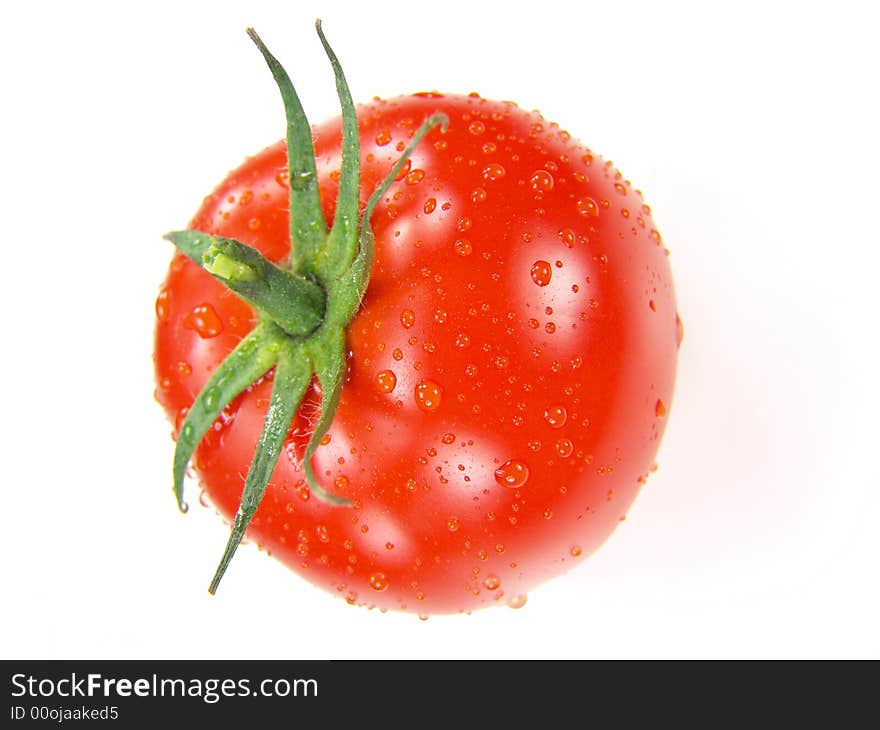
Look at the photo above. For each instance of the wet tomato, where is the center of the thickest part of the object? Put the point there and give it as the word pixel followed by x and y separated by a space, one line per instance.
pixel 508 374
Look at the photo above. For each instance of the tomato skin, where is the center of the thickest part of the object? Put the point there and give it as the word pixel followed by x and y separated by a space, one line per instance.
pixel 510 370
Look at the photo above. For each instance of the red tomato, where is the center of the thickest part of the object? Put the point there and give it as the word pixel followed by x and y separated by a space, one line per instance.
pixel 509 374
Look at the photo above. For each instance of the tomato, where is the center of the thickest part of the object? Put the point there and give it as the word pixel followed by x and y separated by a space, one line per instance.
pixel 509 372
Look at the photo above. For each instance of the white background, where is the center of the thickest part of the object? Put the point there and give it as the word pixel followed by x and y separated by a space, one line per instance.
pixel 753 132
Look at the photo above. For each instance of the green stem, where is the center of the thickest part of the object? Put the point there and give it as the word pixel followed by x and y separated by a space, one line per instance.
pixel 342 241
pixel 253 357
pixel 307 227
pixel 294 303
pixel 304 311
pixel 292 376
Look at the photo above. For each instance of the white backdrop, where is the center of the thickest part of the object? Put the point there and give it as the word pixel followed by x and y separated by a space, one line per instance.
pixel 752 129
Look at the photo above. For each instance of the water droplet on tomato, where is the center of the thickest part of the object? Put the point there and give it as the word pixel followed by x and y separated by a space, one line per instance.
pixel 383 137
pixel 518 601
pixel 162 306
pixel 556 416
pixel 452 524
pixel 679 330
pixel 385 381
pixel 462 340
pixel 620 188
pixel 588 207
pixel 430 205
pixel 660 408
pixel 378 582
pixel 415 177
pixel 407 318
pixel 575 551
pixel 463 247
pixel 492 583
pixel 568 237
pixel 564 448
pixel 428 396
pixel 493 172
pixel 478 195
pixel 282 177
pixel 476 127
pixel 512 473
pixel 541 181
pixel 541 273
pixel 448 438
pixel 204 320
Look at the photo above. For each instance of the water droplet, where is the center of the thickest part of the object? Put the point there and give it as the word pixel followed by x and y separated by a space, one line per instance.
pixel 282 177
pixel 568 237
pixel 254 224
pixel 397 354
pixel 556 416
pixel 679 330
pixel 576 551
pixel 542 181
pixel 430 205
pixel 383 137
pixel 428 396
pixel 476 127
pixel 407 318
pixel 493 172
pixel 378 582
pixel 512 473
pixel 463 247
pixel 448 438
pixel 588 207
pixel 385 381
pixel 660 409
pixel 541 273
pixel 478 195
pixel 501 361
pixel 302 180
pixel 620 188
pixel 452 524
pixel 404 170
pixel 162 306
pixel 415 177
pixel 564 448
pixel 518 601
pixel 492 583
pixel 462 340
pixel 212 395
pixel 204 320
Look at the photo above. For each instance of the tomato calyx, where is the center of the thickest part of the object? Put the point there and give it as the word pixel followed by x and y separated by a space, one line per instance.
pixel 304 303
